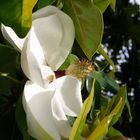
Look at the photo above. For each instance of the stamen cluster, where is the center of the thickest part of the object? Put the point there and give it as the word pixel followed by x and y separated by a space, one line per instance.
pixel 80 69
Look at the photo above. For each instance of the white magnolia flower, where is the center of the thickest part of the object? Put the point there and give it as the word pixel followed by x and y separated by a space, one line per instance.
pixel 47 101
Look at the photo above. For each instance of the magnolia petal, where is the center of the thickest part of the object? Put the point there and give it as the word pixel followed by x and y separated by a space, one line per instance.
pixel 45 12
pixel 37 105
pixel 66 101
pixel 68 90
pixel 33 63
pixel 60 118
pixel 55 33
pixel 12 38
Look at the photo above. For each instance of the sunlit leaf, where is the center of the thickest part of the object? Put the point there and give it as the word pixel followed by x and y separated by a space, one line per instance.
pixel 102 129
pixel 17 14
pixel 113 4
pixel 104 54
pixel 122 93
pixel 88 30
pixel 86 130
pixel 80 121
pixel 101 4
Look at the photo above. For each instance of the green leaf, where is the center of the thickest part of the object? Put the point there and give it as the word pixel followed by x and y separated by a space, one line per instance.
pixel 120 138
pixel 102 129
pixel 17 14
pixel 104 54
pixel 97 92
pixel 129 110
pixel 43 3
pixel 110 116
pixel 80 121
pixel 122 93
pixel 89 30
pixel 7 54
pixel 113 4
pixel 21 120
pixel 105 81
pixel 112 132
pixel 7 67
pixel 101 65
pixel 7 124
pixel 104 101
pixel 101 4
pixel 70 59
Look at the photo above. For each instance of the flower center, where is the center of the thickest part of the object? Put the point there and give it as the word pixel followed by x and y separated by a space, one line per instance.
pixel 59 74
pixel 80 69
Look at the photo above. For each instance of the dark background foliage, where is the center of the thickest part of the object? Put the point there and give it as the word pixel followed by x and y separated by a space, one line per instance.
pixel 122 39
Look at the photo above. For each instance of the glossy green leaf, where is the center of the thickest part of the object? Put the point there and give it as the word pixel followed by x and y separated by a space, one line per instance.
pixel 101 4
pixel 70 59
pixel 122 93
pixel 97 92
pixel 88 30
pixel 102 129
pixel 104 54
pixel 7 67
pixel 43 3
pixel 7 54
pixel 105 81
pixel 113 4
pixel 17 14
pixel 80 121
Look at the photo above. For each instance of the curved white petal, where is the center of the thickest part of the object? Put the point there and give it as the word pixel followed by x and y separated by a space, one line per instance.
pixel 33 63
pixel 66 101
pixel 55 33
pixel 45 12
pixel 60 118
pixel 37 105
pixel 12 38
pixel 68 90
